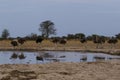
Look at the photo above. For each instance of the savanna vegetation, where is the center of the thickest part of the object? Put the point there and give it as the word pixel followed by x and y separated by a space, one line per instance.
pixel 45 41
pixel 60 71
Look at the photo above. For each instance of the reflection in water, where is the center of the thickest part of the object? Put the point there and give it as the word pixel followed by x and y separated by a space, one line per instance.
pixel 52 59
pixel 18 57
pixel 39 58
pixel 62 56
pixel 110 58
pixel 83 58
pixel 14 56
pixel 47 55
pixel 21 56
pixel 99 58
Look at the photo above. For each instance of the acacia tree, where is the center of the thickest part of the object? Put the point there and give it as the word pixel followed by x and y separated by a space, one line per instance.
pixel 118 36
pixel 5 34
pixel 79 36
pixel 47 28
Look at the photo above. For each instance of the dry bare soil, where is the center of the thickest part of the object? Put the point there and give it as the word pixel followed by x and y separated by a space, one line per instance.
pixel 109 70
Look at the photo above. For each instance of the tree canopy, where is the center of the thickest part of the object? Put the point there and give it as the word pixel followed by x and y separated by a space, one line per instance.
pixel 5 34
pixel 47 28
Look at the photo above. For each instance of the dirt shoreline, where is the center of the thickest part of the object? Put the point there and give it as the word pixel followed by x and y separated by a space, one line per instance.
pixel 107 70
pixel 104 70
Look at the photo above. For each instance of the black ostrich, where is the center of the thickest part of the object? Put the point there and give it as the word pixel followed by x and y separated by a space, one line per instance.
pixel 63 42
pixel 112 41
pixel 55 41
pixel 14 43
pixel 99 41
pixel 21 40
pixel 39 40
pixel 84 41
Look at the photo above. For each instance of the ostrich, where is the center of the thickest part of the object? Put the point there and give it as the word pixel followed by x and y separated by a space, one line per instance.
pixel 39 40
pixel 84 40
pixel 63 41
pixel 112 41
pixel 21 41
pixel 99 41
pixel 14 43
pixel 55 41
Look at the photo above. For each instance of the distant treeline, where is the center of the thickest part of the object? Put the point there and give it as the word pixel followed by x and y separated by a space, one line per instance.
pixel 47 28
pixel 76 36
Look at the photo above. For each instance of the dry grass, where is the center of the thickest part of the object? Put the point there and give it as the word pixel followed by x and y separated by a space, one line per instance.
pixel 48 43
pixel 71 45
pixel 109 70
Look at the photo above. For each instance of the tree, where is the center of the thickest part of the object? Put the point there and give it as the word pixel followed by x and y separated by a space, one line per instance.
pixel 70 36
pixel 5 34
pixel 79 36
pixel 118 36
pixel 47 28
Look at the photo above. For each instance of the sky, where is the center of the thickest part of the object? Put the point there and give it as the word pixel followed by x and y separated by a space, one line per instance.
pixel 22 17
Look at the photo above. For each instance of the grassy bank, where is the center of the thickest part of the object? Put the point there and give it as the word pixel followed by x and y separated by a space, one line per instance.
pixel 71 45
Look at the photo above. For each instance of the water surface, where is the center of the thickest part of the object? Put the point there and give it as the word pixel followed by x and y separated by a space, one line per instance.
pixel 13 57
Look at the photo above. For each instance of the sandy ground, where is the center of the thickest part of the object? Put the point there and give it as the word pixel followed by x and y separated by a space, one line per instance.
pixel 109 70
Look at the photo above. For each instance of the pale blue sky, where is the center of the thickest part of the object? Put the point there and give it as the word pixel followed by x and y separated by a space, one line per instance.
pixel 23 17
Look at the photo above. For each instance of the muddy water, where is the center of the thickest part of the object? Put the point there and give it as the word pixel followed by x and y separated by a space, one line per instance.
pixel 20 57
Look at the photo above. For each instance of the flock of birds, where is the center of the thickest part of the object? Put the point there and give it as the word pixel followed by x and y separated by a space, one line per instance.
pixel 97 40
pixel 21 41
